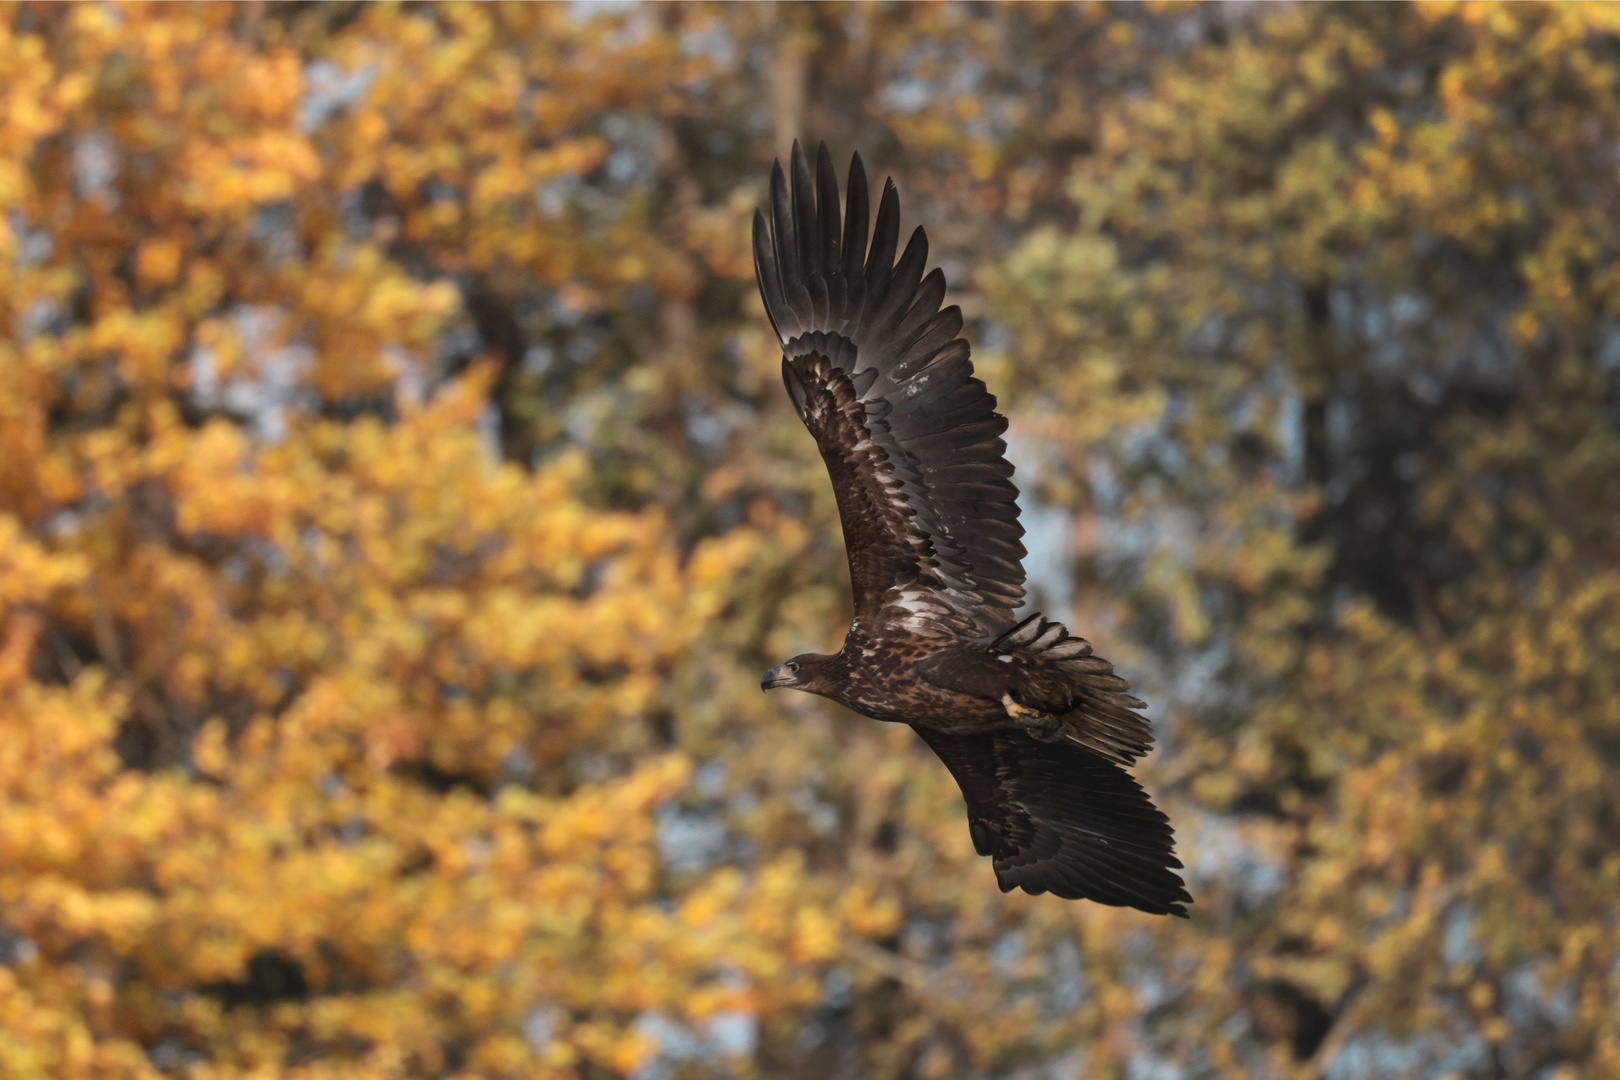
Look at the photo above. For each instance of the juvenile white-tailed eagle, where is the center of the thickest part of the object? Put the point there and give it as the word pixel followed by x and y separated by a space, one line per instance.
pixel 1034 727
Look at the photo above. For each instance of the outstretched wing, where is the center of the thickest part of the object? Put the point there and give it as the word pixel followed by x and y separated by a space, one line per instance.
pixel 1055 818
pixel 878 374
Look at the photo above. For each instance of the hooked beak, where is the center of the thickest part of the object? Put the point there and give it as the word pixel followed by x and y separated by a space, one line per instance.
pixel 777 676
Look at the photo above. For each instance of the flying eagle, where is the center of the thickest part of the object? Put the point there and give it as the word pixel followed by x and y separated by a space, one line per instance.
pixel 1034 727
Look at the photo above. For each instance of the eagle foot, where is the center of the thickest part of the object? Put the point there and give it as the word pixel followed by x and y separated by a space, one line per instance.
pixel 1042 726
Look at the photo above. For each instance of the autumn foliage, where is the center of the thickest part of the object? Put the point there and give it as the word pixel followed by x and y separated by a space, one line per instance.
pixel 398 503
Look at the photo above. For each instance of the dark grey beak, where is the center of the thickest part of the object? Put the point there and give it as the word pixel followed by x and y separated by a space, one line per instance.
pixel 777 676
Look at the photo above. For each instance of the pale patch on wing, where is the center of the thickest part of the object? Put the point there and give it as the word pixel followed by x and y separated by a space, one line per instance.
pixel 913 602
pixel 923 611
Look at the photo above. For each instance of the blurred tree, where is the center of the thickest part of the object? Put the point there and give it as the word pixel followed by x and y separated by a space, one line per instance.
pixel 329 738
pixel 398 502
pixel 1341 308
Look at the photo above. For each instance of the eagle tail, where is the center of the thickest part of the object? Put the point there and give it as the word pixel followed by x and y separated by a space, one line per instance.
pixel 1058 676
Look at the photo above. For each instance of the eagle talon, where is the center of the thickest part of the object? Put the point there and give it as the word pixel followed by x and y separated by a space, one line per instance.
pixel 1039 725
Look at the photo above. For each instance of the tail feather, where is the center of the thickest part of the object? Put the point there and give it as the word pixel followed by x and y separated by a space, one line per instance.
pixel 1059 675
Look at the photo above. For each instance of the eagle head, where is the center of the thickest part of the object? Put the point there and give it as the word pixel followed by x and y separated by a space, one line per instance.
pixel 806 671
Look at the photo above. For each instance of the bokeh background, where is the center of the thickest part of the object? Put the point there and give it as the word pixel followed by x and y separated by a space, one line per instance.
pixel 398 503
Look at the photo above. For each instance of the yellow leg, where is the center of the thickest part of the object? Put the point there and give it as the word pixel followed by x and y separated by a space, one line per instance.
pixel 1042 726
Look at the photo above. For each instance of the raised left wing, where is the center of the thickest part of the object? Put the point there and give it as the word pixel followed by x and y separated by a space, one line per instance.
pixel 911 439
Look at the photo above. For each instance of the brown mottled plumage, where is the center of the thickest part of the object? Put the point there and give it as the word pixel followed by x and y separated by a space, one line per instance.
pixel 1031 724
